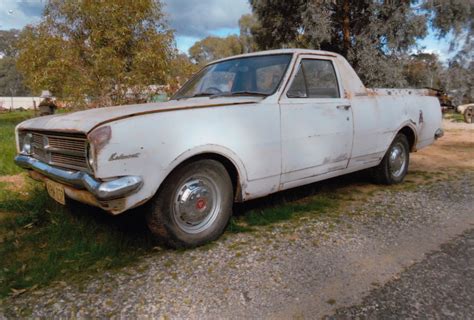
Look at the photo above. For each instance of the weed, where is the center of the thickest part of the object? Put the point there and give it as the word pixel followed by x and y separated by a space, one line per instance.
pixel 267 216
pixel 58 243
pixel 236 226
pixel 455 117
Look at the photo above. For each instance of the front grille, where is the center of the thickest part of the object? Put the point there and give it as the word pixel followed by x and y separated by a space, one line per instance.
pixel 70 145
pixel 68 160
pixel 61 149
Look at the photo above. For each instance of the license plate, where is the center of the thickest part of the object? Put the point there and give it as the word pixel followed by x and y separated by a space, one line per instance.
pixel 56 191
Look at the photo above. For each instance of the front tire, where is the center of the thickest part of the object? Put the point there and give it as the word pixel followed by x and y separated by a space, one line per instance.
pixel 394 165
pixel 193 205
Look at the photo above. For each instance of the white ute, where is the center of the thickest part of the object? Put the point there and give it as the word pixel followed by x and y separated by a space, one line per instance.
pixel 242 128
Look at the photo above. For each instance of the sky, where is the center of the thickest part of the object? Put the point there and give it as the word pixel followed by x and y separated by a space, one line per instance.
pixel 192 20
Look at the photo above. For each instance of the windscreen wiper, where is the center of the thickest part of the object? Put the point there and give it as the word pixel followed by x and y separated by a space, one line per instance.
pixel 238 93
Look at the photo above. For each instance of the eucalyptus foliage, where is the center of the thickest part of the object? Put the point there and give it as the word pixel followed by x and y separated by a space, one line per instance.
pixel 11 81
pixel 109 52
pixel 375 36
pixel 213 48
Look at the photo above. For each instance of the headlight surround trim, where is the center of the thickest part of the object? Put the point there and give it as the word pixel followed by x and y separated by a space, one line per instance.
pixel 26 143
pixel 91 157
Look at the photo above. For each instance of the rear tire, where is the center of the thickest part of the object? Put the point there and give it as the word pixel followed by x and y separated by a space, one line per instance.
pixel 193 205
pixel 394 165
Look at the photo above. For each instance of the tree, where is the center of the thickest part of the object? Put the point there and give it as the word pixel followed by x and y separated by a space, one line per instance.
pixel 423 70
pixel 11 81
pixel 111 51
pixel 456 17
pixel 8 40
pixel 279 22
pixel 374 35
pixel 458 79
pixel 180 71
pixel 248 25
pixel 213 48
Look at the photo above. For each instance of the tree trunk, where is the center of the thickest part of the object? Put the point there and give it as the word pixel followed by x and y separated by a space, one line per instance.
pixel 346 34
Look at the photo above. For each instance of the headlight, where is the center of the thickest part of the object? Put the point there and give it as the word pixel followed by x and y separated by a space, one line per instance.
pixel 26 143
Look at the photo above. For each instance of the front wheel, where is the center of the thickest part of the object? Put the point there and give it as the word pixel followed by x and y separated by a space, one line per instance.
pixel 394 165
pixel 193 206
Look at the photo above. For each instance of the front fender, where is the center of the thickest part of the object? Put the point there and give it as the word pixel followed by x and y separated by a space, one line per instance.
pixel 154 161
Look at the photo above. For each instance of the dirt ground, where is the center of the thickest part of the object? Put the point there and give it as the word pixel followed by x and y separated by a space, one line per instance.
pixel 14 183
pixel 453 151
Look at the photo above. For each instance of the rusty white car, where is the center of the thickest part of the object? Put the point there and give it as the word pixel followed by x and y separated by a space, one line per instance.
pixel 241 128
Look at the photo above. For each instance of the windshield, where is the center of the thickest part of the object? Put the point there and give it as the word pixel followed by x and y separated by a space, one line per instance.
pixel 257 75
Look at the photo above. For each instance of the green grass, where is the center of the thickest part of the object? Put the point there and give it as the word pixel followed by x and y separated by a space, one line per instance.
pixel 8 121
pixel 456 117
pixel 43 242
pixel 314 205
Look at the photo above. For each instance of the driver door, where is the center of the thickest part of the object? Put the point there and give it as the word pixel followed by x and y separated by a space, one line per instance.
pixel 316 121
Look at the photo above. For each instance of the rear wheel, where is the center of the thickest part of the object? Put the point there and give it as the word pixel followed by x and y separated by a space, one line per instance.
pixel 394 165
pixel 193 206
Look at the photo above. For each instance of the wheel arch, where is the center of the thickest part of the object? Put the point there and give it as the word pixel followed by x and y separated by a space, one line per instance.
pixel 410 133
pixel 233 165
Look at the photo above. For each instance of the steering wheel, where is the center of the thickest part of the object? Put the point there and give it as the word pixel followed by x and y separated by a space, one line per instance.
pixel 213 90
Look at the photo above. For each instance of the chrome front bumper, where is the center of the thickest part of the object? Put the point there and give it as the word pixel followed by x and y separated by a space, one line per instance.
pixel 107 190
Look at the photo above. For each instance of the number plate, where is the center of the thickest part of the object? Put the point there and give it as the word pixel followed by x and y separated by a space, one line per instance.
pixel 56 191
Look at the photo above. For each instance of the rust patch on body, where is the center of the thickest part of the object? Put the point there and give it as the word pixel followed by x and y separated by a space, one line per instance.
pixel 371 93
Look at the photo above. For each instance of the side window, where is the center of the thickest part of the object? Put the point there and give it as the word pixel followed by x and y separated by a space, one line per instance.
pixel 298 87
pixel 315 79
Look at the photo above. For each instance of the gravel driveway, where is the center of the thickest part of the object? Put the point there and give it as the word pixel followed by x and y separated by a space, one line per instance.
pixel 439 287
pixel 304 268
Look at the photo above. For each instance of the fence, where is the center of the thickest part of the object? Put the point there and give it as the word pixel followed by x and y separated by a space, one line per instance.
pixel 19 102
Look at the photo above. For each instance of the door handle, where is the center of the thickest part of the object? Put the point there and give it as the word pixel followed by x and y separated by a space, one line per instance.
pixel 344 106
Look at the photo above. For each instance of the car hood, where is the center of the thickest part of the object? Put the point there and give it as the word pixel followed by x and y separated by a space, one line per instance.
pixel 85 121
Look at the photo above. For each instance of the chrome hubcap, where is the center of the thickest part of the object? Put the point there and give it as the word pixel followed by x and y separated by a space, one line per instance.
pixel 397 160
pixel 196 205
